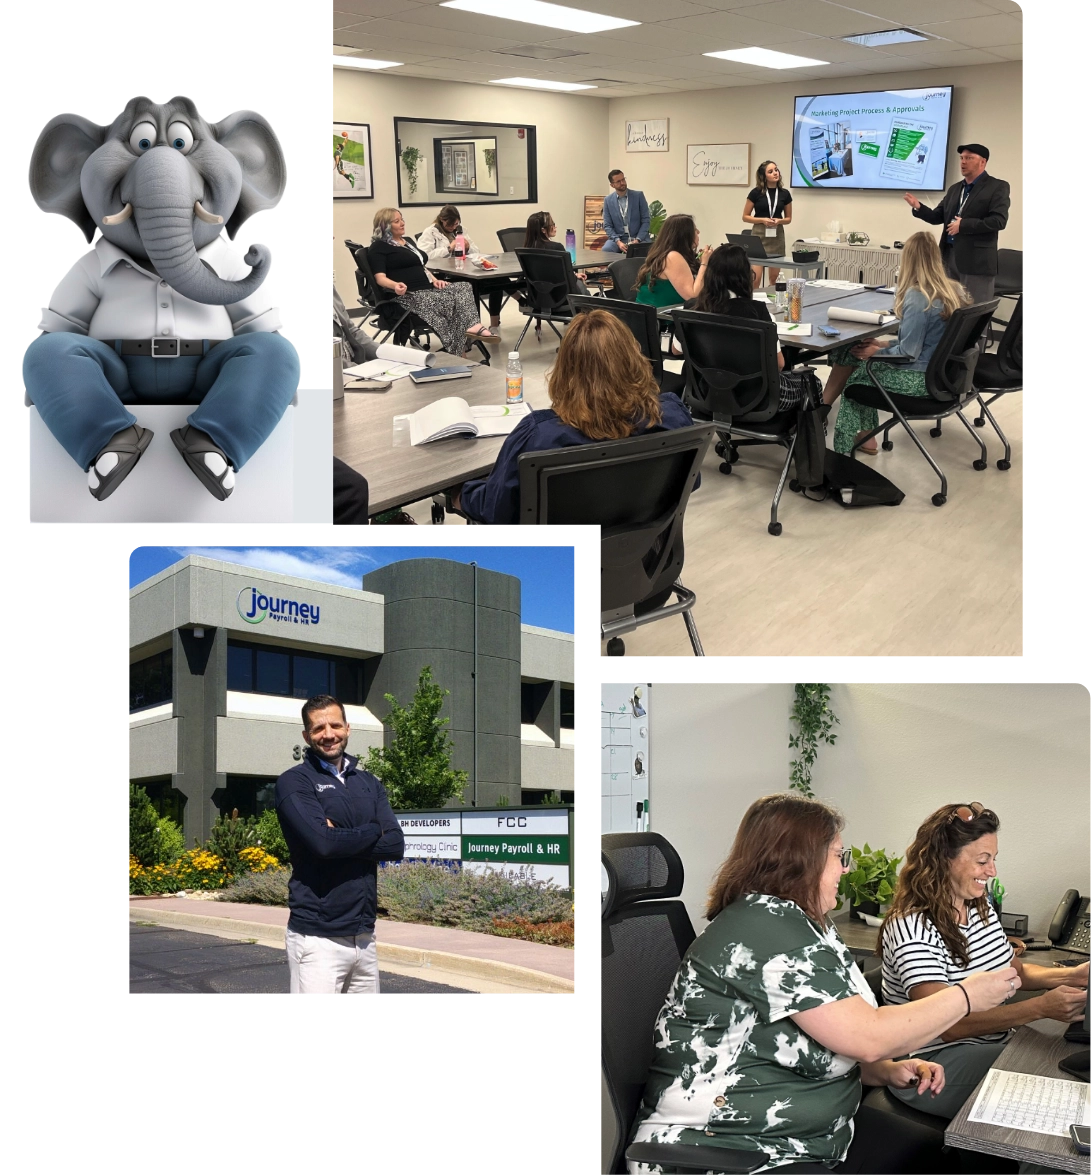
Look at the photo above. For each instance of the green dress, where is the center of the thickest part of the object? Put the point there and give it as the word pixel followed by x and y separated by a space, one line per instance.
pixel 730 1066
pixel 661 294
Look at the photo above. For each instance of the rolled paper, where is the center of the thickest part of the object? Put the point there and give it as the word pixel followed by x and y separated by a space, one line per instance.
pixel 847 314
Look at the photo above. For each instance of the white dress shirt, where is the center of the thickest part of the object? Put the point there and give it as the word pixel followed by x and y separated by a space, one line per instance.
pixel 108 296
pixel 435 244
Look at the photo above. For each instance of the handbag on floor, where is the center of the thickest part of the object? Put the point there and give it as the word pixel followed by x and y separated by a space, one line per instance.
pixel 853 483
pixel 810 450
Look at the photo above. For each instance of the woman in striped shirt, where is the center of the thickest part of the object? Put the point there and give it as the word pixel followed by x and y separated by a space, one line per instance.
pixel 941 927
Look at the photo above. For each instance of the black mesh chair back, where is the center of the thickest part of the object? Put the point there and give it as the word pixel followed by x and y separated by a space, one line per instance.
pixel 1009 354
pixel 638 249
pixel 950 373
pixel 362 287
pixel 549 279
pixel 1009 272
pixel 640 319
pixel 511 238
pixel 623 273
pixel 392 316
pixel 731 366
pixel 645 933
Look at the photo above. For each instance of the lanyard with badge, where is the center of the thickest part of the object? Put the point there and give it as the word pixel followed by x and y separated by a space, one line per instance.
pixel 772 202
pixel 961 204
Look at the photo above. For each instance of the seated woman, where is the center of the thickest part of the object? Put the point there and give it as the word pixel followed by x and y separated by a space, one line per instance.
pixel 941 926
pixel 399 265
pixel 438 241
pixel 729 290
pixel 541 229
pixel 925 298
pixel 667 276
pixel 770 1029
pixel 602 390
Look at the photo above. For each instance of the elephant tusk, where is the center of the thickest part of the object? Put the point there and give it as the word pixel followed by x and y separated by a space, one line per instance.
pixel 207 217
pixel 119 217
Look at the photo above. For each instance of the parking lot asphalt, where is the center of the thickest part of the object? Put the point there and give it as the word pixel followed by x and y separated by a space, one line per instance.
pixel 165 960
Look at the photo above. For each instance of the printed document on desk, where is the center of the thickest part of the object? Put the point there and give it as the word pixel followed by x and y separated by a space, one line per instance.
pixel 453 416
pixel 1025 1101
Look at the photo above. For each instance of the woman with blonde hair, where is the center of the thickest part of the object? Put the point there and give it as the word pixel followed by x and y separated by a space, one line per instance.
pixel 674 270
pixel 770 1030
pixel 941 926
pixel 602 390
pixel 398 264
pixel 924 300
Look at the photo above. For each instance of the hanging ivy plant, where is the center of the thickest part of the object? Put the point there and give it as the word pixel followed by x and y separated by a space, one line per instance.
pixel 411 157
pixel 816 721
pixel 490 159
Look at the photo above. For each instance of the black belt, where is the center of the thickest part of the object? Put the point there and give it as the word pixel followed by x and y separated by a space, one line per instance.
pixel 165 348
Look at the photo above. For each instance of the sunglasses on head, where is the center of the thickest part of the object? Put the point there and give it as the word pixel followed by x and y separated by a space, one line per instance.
pixel 971 812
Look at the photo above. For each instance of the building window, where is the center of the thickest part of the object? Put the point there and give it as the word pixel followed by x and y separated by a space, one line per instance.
pixel 259 669
pixel 568 709
pixel 165 799
pixel 249 795
pixel 150 681
pixel 532 797
pixel 533 698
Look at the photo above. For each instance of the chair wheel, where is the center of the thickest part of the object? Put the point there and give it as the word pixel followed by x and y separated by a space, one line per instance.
pixel 935 432
pixel 725 467
pixel 939 499
pixel 615 647
pixel 979 465
pixel 979 421
pixel 439 515
pixel 1003 465
pixel 775 528
pixel 794 486
pixel 734 454
pixel 721 449
pixel 887 446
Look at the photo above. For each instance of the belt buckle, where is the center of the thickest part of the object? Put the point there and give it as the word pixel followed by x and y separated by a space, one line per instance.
pixel 166 348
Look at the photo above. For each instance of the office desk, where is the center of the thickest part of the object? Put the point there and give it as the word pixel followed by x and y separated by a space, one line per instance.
pixel 363 433
pixel 507 265
pixel 788 263
pixel 1033 1049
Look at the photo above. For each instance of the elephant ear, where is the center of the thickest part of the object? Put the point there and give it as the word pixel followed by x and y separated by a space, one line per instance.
pixel 256 149
pixel 62 149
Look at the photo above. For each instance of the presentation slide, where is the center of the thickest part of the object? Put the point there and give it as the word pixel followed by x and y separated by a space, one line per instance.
pixel 894 139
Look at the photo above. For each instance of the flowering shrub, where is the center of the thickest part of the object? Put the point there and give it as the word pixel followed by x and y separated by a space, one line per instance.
pixel 268 887
pixel 256 860
pixel 195 869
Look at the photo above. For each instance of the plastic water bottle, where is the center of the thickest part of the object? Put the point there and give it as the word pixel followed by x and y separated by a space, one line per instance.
pixel 515 378
pixel 782 293
pixel 460 252
pixel 570 244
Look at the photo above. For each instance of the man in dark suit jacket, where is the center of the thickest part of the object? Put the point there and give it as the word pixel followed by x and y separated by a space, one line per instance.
pixel 973 211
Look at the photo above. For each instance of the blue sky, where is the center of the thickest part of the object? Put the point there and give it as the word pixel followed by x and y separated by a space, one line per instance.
pixel 545 572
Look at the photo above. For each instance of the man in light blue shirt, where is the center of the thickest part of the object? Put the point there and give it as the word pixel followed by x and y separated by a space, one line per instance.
pixel 625 215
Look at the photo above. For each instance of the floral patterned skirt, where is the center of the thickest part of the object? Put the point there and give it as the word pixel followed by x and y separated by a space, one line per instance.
pixel 853 418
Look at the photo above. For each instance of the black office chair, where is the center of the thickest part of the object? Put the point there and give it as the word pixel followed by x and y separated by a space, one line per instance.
pixel 638 249
pixel 732 379
pixel 998 374
pixel 386 314
pixel 644 324
pixel 549 279
pixel 646 931
pixel 637 491
pixel 623 274
pixel 949 381
pixel 511 238
pixel 1009 273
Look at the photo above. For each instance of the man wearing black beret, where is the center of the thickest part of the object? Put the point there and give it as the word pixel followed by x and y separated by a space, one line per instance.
pixel 973 213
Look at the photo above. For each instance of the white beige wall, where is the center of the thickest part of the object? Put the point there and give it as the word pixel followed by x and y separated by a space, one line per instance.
pixel 987 108
pixel 572 149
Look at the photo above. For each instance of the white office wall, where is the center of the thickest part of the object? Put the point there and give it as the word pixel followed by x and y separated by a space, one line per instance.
pixel 986 108
pixel 901 752
pixel 572 150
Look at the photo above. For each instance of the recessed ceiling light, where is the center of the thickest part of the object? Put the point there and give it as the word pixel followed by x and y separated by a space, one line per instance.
pixel 538 84
pixel 362 63
pixel 887 37
pixel 552 16
pixel 766 57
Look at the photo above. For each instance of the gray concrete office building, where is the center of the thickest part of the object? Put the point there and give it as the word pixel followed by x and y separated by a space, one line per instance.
pixel 222 658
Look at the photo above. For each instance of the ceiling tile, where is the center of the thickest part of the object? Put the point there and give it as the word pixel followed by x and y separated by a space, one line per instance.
pixel 912 13
pixel 812 16
pixel 644 10
pixel 661 35
pixel 360 8
pixel 979 32
pixel 728 27
pixel 430 33
pixel 830 50
pixel 1008 52
pixel 952 57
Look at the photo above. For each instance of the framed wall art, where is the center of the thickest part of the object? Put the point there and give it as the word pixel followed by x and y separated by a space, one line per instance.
pixel 647 134
pixel 718 163
pixel 353 178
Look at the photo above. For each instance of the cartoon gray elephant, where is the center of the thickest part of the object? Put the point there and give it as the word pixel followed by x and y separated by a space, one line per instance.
pixel 163 308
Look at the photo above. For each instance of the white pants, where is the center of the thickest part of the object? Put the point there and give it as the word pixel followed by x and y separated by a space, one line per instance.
pixel 327 965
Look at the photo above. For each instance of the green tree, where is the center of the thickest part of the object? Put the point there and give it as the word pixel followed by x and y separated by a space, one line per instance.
pixel 143 827
pixel 416 768
pixel 271 835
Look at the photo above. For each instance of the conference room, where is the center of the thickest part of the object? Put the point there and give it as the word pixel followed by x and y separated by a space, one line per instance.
pixel 609 118
pixel 777 855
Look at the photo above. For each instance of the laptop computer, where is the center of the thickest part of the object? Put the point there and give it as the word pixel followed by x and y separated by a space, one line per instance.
pixel 754 246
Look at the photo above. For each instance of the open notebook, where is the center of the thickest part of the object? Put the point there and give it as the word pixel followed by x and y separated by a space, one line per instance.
pixel 452 416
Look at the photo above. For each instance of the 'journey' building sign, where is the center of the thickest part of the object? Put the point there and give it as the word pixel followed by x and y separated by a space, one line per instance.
pixel 255 606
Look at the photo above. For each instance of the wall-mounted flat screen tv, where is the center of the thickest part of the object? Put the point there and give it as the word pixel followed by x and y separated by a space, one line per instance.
pixel 885 139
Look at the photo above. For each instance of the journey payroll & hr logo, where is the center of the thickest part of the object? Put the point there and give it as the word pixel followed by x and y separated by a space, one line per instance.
pixel 255 606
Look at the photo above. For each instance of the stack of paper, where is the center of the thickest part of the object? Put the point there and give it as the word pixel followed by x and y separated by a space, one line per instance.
pixel 453 416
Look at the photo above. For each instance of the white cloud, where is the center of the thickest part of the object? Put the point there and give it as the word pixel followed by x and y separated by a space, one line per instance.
pixel 343 566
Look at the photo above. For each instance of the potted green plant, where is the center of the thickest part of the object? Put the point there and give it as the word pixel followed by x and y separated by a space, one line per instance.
pixel 411 157
pixel 870 882
pixel 816 720
pixel 490 159
pixel 658 214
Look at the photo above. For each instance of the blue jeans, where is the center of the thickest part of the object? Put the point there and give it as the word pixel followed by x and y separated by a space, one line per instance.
pixel 81 386
pixel 610 246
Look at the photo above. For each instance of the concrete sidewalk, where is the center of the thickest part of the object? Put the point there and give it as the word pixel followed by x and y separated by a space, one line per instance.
pixel 460 958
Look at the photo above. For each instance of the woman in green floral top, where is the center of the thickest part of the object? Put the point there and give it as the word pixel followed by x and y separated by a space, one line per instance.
pixel 770 1029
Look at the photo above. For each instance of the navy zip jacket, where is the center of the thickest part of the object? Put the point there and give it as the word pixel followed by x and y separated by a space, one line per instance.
pixel 332 889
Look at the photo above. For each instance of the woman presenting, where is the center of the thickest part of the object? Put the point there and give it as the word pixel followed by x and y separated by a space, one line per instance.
pixel 769 208
pixel 770 1029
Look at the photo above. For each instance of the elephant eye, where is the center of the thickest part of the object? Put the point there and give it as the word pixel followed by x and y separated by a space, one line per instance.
pixel 180 137
pixel 143 136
